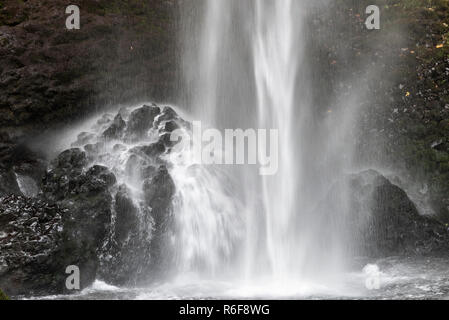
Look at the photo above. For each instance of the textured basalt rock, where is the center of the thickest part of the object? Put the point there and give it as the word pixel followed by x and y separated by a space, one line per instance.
pixel 82 217
pixel 31 237
pixel 136 251
pixel 65 226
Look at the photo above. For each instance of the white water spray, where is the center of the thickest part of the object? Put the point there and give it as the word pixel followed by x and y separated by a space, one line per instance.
pixel 249 69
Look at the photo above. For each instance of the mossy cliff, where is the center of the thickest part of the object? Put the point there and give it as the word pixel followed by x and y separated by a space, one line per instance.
pixel 416 122
pixel 402 88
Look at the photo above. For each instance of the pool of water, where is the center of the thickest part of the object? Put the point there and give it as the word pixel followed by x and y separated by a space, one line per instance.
pixel 392 278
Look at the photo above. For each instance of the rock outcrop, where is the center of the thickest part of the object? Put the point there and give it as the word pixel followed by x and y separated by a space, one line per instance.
pixel 65 226
pixel 386 222
pixel 83 217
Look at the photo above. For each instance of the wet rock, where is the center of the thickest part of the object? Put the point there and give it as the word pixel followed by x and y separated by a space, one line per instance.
pixel 126 215
pixel 126 258
pixel 148 171
pixel 141 121
pixel 159 192
pixel 170 126
pixel 85 196
pixel 39 239
pixel 30 246
pixel 168 114
pixel 83 138
pixel 64 174
pixel 116 128
pixel 119 148
pixel 153 150
pixel 8 183
pixel 105 119
pixel 21 170
pixel 94 149
pixel 387 221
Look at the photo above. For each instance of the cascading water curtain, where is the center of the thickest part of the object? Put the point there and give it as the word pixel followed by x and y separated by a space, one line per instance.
pixel 245 66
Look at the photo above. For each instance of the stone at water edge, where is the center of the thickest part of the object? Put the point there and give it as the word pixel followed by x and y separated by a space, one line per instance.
pixel 389 222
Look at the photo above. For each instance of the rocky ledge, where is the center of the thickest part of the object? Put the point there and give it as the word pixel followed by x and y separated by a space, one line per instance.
pixel 82 216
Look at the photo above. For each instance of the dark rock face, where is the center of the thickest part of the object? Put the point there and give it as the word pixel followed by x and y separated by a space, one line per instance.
pixel 31 237
pixel 386 222
pixel 91 222
pixel 86 196
pixel 66 226
pixel 126 219
pixel 52 75
pixel 124 260
pixel 137 251
pixel 8 183
pixel 18 162
pixel 141 120
pixel 159 192
pixel 116 129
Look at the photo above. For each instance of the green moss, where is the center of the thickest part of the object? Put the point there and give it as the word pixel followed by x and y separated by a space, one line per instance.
pixel 3 296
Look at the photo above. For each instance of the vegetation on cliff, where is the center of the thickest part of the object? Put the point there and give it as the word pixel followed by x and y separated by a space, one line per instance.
pixel 3 296
pixel 405 105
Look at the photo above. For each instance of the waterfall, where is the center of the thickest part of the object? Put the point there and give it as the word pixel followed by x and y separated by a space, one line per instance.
pixel 276 57
pixel 246 65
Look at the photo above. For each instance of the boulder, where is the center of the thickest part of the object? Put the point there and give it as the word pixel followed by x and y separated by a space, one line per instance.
pixel 127 219
pixel 386 221
pixel 86 196
pixel 141 121
pixel 67 225
pixel 31 237
pixel 126 258
pixel 168 114
pixel 116 129
pixel 159 192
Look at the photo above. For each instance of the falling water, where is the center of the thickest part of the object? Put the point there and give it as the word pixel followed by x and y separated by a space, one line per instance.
pixel 246 66
pixel 276 56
